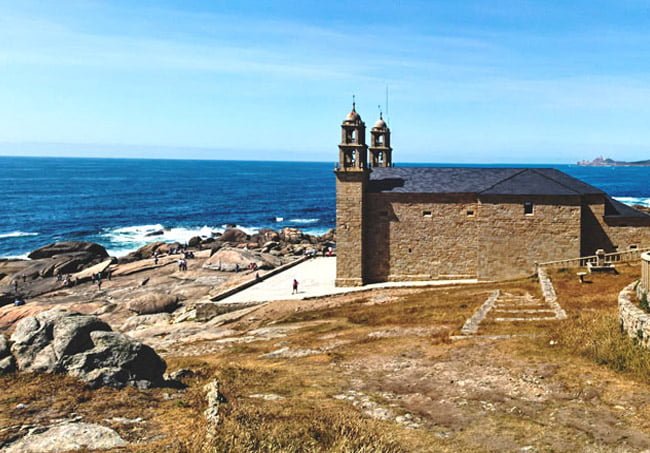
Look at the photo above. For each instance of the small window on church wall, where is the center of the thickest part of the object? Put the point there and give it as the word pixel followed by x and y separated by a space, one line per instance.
pixel 427 214
pixel 528 207
pixel 634 247
pixel 470 213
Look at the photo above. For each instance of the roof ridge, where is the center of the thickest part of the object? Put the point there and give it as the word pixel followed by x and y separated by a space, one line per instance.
pixel 503 180
pixel 554 180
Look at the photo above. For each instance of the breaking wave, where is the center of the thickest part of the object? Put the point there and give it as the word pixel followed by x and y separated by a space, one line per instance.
pixel 640 201
pixel 16 234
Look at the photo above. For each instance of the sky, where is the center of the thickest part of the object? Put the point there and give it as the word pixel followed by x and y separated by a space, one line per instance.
pixel 492 81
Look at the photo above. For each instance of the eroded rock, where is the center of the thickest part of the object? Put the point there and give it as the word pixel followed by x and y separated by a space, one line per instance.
pixel 68 437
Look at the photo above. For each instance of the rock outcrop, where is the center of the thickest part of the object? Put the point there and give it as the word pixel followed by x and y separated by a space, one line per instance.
pixel 228 259
pixel 234 235
pixel 151 303
pixel 68 437
pixel 58 341
pixel 65 248
pixel 7 362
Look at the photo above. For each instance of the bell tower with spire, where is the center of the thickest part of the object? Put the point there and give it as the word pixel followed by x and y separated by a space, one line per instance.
pixel 381 154
pixel 352 176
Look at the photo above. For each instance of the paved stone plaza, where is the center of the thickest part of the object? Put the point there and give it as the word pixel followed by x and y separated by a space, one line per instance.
pixel 316 278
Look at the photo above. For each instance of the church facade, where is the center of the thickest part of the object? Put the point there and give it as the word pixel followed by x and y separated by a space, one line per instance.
pixel 416 223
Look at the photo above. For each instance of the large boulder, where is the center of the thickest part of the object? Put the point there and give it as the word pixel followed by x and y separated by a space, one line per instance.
pixel 151 303
pixel 83 346
pixel 228 259
pixel 116 360
pixel 234 235
pixel 68 437
pixel 292 235
pixel 66 248
pixel 7 363
pixel 194 241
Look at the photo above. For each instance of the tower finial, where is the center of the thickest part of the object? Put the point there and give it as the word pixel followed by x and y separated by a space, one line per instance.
pixel 380 113
pixel 354 103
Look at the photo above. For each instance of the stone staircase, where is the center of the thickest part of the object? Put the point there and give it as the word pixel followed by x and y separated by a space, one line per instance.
pixel 503 307
pixel 509 308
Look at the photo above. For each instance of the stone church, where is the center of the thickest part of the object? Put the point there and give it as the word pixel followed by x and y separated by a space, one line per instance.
pixel 415 223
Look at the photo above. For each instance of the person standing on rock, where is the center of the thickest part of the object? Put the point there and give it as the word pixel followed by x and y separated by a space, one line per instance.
pixel 295 287
pixel 16 286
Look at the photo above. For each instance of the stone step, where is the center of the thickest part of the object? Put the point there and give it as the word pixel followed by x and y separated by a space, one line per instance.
pixel 525 310
pixel 554 318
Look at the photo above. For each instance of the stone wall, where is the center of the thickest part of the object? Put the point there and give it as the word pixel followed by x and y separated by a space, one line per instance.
pixel 634 321
pixel 511 242
pixel 350 195
pixel 644 284
pixel 420 237
pixel 609 233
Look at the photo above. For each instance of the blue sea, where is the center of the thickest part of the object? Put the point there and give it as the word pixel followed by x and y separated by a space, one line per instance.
pixel 118 202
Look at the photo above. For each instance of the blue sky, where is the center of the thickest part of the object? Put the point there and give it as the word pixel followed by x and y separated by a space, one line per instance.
pixel 469 81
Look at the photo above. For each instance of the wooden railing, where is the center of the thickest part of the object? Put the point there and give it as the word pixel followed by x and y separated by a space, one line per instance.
pixel 610 258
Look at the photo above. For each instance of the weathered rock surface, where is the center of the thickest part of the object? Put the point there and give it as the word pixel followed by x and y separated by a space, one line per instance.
pixel 7 363
pixel 234 235
pixel 227 259
pixel 83 346
pixel 68 437
pixel 65 248
pixel 144 321
pixel 151 303
pixel 116 360
pixel 194 241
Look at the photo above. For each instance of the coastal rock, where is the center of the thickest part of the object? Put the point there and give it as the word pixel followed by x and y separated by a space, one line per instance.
pixel 227 259
pixel 68 437
pixel 266 235
pixel 39 342
pixel 83 346
pixel 155 233
pixel 66 248
pixel 292 235
pixel 116 360
pixel 194 241
pixel 143 321
pixel 234 235
pixel 148 250
pixel 151 303
pixel 7 362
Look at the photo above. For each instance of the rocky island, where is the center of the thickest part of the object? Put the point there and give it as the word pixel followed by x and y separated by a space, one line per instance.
pixel 608 162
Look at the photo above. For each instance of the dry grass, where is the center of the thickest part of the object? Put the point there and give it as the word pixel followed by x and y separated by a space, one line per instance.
pixel 383 344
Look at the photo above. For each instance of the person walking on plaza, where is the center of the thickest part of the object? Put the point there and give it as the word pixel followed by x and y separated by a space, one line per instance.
pixel 295 286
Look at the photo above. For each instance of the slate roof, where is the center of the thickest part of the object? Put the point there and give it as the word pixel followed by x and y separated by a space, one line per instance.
pixel 479 181
pixel 614 208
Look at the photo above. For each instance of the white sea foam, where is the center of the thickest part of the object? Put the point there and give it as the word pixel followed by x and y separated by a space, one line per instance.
pixel 16 234
pixel 304 221
pixel 15 257
pixel 641 201
pixel 125 240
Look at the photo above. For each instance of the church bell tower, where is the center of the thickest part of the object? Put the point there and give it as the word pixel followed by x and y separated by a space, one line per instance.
pixel 381 154
pixel 352 175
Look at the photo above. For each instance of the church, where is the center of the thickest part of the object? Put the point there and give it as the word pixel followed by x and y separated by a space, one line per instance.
pixel 398 223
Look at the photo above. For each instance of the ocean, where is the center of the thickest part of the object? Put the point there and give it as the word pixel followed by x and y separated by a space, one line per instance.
pixel 119 202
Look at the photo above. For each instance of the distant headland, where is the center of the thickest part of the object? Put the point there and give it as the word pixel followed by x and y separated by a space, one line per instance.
pixel 607 162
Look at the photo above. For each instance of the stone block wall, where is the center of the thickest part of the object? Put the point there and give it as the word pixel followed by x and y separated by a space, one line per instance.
pixel 610 234
pixel 634 321
pixel 511 242
pixel 350 196
pixel 420 237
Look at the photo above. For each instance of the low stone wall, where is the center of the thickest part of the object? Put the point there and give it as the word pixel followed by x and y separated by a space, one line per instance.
pixel 634 321
pixel 644 284
pixel 548 291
